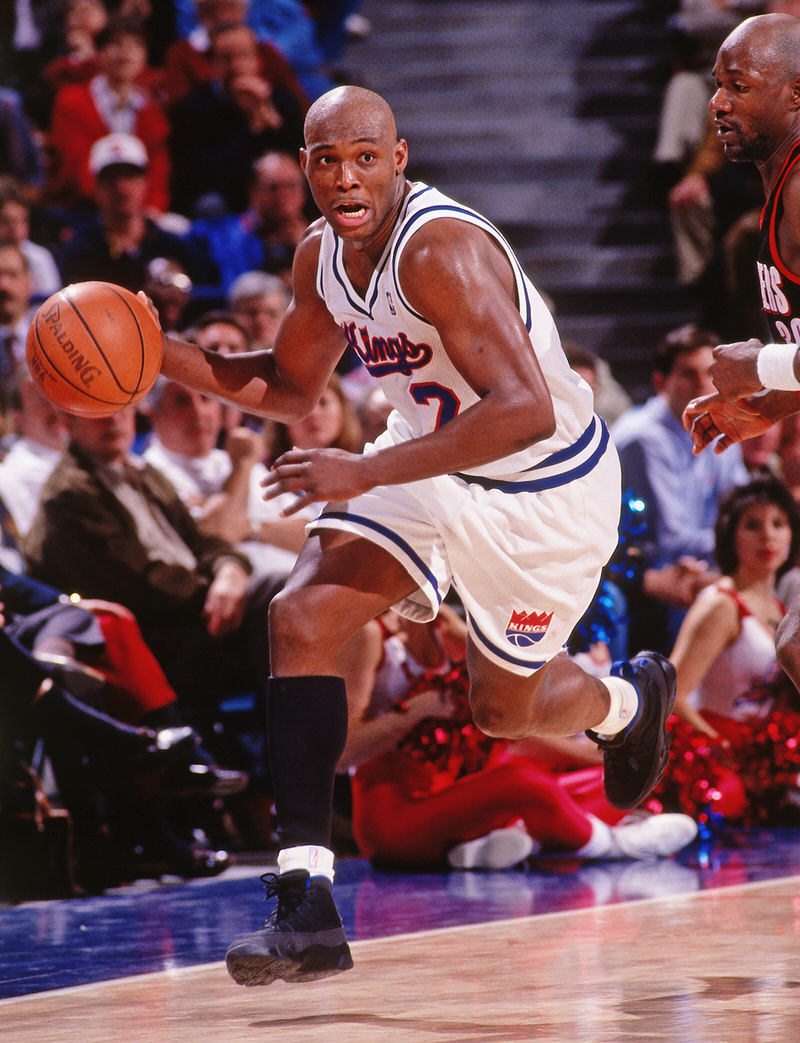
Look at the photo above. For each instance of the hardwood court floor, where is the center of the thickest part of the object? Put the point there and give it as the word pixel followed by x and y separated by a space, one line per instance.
pixel 713 963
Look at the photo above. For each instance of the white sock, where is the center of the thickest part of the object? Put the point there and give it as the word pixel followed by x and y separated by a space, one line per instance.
pixel 624 706
pixel 316 860
pixel 599 843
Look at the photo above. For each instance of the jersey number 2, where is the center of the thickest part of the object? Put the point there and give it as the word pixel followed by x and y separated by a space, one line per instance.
pixel 423 394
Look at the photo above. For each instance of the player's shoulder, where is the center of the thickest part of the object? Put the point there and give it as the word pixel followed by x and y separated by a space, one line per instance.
pixel 307 253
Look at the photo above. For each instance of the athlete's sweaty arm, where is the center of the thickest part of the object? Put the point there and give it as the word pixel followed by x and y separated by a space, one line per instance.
pixel 459 280
pixel 286 382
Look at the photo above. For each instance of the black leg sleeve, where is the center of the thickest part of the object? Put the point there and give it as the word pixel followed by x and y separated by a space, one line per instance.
pixel 307 729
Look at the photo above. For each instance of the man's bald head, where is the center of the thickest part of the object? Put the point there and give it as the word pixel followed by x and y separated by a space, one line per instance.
pixel 349 112
pixel 771 43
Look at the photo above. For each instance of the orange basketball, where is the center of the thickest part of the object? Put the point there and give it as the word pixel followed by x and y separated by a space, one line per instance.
pixel 94 348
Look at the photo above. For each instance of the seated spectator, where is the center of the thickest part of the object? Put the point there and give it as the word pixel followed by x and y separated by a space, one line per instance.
pixel 332 424
pixel 264 236
pixel 733 751
pixel 15 228
pixel 289 25
pixel 20 149
pixel 78 62
pixel 39 439
pixel 110 526
pixel 222 126
pixel 220 486
pixel 221 331
pixel 187 61
pixel 430 790
pixel 170 289
pixel 15 317
pixel 610 398
pixel 674 495
pixel 112 102
pixel 258 302
pixel 119 240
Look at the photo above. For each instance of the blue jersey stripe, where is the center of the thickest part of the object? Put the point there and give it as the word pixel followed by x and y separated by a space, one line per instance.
pixel 537 485
pixel 392 536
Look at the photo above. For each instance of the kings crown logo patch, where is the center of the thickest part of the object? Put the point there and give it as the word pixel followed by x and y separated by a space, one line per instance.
pixel 526 628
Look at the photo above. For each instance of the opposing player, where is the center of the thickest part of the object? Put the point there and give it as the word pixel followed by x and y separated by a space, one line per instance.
pixel 756 109
pixel 494 474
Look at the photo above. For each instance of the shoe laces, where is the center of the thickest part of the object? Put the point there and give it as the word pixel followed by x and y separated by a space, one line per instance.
pixel 290 894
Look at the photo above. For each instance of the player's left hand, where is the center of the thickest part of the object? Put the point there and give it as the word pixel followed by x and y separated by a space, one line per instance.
pixel 315 476
pixel 712 416
pixel 735 369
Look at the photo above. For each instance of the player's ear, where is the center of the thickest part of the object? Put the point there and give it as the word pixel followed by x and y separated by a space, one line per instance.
pixel 400 157
pixel 796 94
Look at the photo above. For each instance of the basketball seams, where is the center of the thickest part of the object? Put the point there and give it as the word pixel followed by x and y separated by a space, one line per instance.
pixel 110 369
pixel 80 388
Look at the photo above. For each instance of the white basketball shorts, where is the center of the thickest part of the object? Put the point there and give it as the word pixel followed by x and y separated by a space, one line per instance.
pixel 525 557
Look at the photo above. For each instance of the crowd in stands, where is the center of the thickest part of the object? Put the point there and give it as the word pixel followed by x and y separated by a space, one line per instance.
pixel 154 146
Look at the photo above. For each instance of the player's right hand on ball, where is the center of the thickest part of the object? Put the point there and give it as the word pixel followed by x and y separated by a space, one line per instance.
pixel 713 418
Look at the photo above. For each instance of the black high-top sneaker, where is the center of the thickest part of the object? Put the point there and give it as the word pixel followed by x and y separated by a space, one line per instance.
pixel 634 760
pixel 302 940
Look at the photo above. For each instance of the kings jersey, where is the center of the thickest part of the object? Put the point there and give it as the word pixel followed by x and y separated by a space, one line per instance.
pixel 780 288
pixel 405 353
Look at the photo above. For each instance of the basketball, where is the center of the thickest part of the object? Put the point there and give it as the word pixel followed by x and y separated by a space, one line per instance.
pixel 94 348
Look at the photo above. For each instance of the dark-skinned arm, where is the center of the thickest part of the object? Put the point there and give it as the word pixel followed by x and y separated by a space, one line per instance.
pixel 453 274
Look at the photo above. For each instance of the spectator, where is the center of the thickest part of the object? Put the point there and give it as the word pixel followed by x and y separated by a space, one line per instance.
pixel 220 486
pixel 258 301
pixel 15 315
pixel 20 148
pixel 222 126
pixel 120 239
pixel 676 492
pixel 40 437
pixel 219 331
pixel 111 526
pixel 733 747
pixel 78 62
pixel 610 398
pixel 187 62
pixel 15 228
pixel 264 236
pixel 115 101
pixel 170 289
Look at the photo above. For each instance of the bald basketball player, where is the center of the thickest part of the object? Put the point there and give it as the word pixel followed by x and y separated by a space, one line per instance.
pixel 494 475
pixel 756 110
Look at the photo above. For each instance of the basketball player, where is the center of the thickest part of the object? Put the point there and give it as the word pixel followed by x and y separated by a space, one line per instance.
pixel 494 473
pixel 756 109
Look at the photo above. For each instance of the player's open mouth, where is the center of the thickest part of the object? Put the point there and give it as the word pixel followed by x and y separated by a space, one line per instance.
pixel 351 211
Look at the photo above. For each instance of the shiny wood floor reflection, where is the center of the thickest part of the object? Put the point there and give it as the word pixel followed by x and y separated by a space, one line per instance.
pixel 707 966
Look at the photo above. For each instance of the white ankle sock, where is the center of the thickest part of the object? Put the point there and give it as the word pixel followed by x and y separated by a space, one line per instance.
pixel 624 706
pixel 599 843
pixel 316 860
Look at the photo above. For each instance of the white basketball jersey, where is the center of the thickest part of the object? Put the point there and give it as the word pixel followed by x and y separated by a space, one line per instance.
pixel 404 351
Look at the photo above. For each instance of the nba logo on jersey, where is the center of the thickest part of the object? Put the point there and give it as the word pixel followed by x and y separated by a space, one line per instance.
pixel 390 302
pixel 526 628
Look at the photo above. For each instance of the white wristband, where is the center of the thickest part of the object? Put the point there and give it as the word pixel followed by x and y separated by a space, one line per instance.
pixel 775 365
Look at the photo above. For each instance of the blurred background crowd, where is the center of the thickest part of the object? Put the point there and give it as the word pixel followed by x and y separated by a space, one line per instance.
pixel 154 145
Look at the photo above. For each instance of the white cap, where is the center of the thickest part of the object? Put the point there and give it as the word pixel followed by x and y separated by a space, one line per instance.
pixel 117 150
